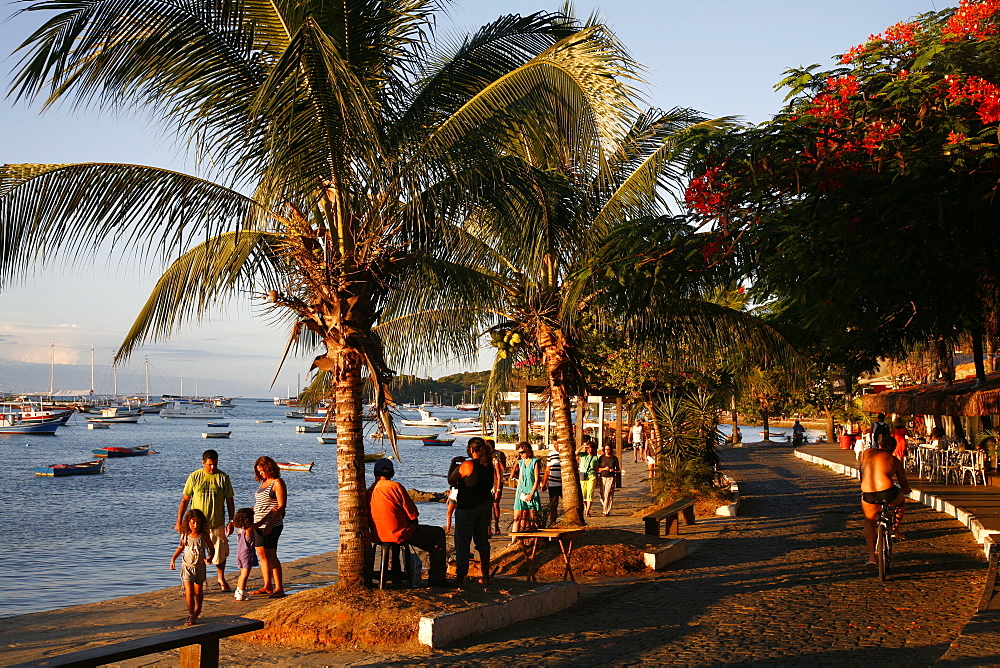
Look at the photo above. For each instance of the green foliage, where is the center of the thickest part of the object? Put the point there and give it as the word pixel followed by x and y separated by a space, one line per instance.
pixel 690 438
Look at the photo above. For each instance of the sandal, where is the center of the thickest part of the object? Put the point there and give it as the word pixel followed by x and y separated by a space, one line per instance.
pixel 277 594
pixel 189 621
pixel 261 592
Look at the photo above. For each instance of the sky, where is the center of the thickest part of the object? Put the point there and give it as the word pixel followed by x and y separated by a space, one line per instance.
pixel 721 57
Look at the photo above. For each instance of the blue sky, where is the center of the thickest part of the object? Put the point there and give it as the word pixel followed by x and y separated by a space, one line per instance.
pixel 719 56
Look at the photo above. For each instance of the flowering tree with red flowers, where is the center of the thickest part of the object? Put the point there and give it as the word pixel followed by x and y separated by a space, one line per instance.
pixel 868 205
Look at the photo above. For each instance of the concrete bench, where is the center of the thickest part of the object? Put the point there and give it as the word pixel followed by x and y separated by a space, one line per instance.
pixel 669 516
pixel 199 645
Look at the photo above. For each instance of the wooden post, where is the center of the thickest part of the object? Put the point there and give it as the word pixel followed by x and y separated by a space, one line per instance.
pixel 581 415
pixel 619 436
pixel 525 414
pixel 203 655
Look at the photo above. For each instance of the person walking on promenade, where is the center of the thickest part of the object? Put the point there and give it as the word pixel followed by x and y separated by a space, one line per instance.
pixel 879 427
pixel 527 502
pixel 393 518
pixel 899 433
pixel 474 512
pixel 270 501
pixel 878 468
pixel 499 476
pixel 552 481
pixel 588 475
pixel 246 554
pixel 638 437
pixel 210 490
pixel 196 546
pixel 608 467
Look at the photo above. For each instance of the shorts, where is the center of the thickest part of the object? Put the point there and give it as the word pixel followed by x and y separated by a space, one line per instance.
pixel 885 496
pixel 650 460
pixel 220 542
pixel 193 573
pixel 268 541
pixel 453 495
pixel 587 488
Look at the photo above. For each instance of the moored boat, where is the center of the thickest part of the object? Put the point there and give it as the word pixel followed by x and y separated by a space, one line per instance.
pixel 217 424
pixel 374 456
pixel 264 421
pixel 437 441
pixel 427 419
pixel 98 425
pixel 473 430
pixel 295 466
pixel 177 409
pixel 61 470
pixel 10 423
pixel 215 434
pixel 326 440
pixel 309 428
pixel 114 451
pixel 126 419
pixel 415 437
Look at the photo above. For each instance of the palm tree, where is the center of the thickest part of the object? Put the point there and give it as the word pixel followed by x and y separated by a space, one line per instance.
pixel 360 147
pixel 526 272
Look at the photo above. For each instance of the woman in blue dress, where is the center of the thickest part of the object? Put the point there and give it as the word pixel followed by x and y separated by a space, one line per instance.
pixel 527 501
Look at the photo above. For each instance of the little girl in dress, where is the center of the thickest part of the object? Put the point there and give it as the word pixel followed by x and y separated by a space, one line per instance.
pixel 246 555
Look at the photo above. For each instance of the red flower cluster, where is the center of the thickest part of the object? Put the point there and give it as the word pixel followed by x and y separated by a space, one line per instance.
pixel 831 106
pixel 956 137
pixel 976 90
pixel 706 194
pixel 972 19
pixel 878 133
pixel 902 34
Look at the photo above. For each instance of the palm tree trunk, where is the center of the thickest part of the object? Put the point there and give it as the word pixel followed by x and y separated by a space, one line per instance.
pixel 656 436
pixel 353 557
pixel 552 343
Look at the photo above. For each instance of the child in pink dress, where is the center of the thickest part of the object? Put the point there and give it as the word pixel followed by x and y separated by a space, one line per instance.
pixel 246 555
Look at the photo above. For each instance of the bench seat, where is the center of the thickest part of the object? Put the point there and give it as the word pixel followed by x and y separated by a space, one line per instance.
pixel 669 516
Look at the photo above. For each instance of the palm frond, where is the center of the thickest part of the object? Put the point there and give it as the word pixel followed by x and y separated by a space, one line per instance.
pixel 202 277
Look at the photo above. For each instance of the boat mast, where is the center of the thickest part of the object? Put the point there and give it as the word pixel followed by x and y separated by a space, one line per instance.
pixel 146 358
pixel 91 369
pixel 114 376
pixel 52 368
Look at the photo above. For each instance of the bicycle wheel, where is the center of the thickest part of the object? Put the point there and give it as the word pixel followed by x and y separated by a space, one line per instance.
pixel 883 545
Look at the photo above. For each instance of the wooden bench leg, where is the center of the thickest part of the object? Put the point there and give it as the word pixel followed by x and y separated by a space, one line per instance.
pixel 689 515
pixel 673 524
pixel 203 655
pixel 652 527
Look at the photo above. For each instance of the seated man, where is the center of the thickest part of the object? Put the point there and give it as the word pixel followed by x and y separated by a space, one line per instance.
pixel 393 519
pixel 878 467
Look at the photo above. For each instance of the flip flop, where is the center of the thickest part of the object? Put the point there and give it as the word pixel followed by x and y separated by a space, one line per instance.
pixel 189 621
pixel 260 592
pixel 277 594
pixel 226 588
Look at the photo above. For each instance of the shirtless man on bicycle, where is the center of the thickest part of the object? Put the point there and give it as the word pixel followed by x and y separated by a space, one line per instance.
pixel 878 467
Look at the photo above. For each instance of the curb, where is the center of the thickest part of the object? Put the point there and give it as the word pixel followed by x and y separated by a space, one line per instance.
pixel 989 540
pixel 447 627
pixel 730 509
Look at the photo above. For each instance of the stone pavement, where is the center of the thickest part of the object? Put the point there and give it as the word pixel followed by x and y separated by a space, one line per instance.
pixel 783 584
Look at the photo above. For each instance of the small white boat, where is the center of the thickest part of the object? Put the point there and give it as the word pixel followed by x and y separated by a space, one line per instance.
pixel 295 466
pixel 427 419
pixel 98 425
pixel 309 428
pixel 264 421
pixel 217 424
pixel 215 434
pixel 470 430
pixel 327 440
pixel 128 419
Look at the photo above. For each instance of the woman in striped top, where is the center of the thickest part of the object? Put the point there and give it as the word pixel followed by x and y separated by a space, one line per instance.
pixel 268 520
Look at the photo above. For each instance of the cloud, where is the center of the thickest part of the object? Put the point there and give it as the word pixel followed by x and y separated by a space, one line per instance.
pixel 71 326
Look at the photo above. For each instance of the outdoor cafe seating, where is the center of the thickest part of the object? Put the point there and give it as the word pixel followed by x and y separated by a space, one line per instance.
pixel 950 465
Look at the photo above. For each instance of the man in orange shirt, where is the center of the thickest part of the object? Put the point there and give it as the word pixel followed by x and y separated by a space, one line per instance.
pixel 393 519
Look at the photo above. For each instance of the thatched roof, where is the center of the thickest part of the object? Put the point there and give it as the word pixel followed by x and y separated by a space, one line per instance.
pixel 964 397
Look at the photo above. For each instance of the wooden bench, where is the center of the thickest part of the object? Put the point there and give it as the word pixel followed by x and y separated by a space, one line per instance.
pixel 986 602
pixel 199 646
pixel 668 515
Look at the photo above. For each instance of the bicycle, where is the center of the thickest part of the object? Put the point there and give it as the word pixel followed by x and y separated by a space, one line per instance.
pixel 883 538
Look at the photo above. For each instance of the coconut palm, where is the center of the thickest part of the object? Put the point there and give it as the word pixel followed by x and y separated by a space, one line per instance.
pixel 360 147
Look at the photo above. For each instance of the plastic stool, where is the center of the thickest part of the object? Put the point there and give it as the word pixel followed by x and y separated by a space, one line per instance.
pixel 401 569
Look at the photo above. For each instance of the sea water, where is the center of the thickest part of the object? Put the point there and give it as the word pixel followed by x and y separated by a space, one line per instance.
pixel 80 539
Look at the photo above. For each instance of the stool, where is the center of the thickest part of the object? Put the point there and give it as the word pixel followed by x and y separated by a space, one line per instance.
pixel 401 569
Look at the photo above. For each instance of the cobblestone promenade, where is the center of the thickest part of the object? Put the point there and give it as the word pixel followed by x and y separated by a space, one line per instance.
pixel 784 584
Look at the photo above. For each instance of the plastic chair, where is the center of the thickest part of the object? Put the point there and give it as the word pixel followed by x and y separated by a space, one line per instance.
pixel 974 466
pixel 401 568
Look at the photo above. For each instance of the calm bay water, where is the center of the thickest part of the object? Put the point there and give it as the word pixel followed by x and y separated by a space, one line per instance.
pixel 81 539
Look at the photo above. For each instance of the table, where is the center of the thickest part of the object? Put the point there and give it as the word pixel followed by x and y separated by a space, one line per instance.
pixel 564 537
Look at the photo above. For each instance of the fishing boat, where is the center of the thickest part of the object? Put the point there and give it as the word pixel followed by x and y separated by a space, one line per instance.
pixel 415 437
pixel 115 451
pixel 309 428
pixel 314 417
pixel 177 409
pixel 427 419
pixel 295 466
pixel 98 425
pixel 374 456
pixel 126 419
pixel 60 470
pixel 264 421
pixel 772 433
pixel 10 423
pixel 44 415
pixel 438 441
pixel 294 415
pixel 215 434
pixel 326 440
pixel 469 407
pixel 217 424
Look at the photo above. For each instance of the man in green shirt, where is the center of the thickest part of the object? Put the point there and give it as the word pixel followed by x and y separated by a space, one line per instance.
pixel 209 490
